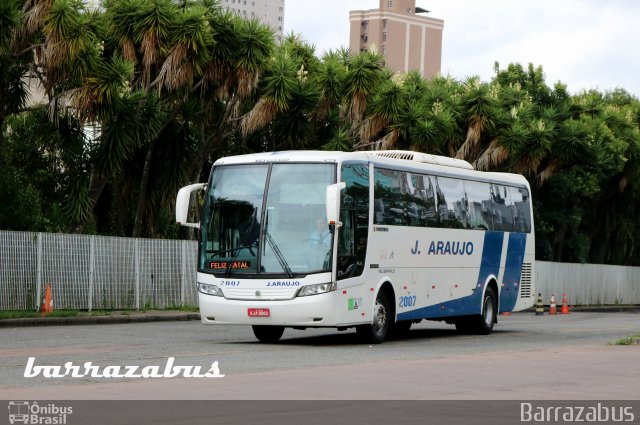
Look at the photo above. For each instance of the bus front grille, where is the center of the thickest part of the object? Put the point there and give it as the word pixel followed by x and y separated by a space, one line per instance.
pixel 259 294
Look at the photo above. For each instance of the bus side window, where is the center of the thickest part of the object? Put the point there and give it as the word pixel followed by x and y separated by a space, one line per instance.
pixel 428 195
pixel 479 205
pixel 389 198
pixel 417 202
pixel 502 208
pixel 522 209
pixel 452 208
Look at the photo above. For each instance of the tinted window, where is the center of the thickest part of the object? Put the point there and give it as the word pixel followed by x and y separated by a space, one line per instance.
pixel 451 203
pixel 420 202
pixel 354 214
pixel 427 191
pixel 295 204
pixel 389 200
pixel 502 208
pixel 521 210
pixel 478 205
pixel 403 198
pixel 231 222
pixel 411 199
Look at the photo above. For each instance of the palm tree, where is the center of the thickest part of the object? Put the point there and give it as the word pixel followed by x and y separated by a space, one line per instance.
pixel 239 54
pixel 480 106
pixel 276 91
pixel 330 77
pixel 14 61
pixel 183 70
pixel 386 108
pixel 363 77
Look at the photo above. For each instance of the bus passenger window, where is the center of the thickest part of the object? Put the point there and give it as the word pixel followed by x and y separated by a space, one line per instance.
pixel 389 200
pixel 479 205
pixel 502 208
pixel 522 209
pixel 427 191
pixel 452 210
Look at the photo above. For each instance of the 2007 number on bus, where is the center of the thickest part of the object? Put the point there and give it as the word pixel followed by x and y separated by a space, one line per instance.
pixel 407 301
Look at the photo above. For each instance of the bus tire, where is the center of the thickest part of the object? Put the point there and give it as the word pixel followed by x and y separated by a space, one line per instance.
pixel 481 324
pixel 376 332
pixel 400 329
pixel 267 333
pixel 489 312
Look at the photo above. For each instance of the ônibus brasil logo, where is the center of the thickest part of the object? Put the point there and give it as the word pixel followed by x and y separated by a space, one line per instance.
pixel 33 413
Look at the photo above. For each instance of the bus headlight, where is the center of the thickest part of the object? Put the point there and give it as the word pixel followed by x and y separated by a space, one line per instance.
pixel 209 289
pixel 319 288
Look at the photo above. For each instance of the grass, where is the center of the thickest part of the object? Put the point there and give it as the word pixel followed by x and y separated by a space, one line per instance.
pixel 20 314
pixel 185 308
pixel 629 340
pixel 26 314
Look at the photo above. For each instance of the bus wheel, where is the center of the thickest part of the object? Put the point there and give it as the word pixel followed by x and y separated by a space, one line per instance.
pixel 268 333
pixel 489 312
pixel 400 329
pixel 376 332
pixel 481 324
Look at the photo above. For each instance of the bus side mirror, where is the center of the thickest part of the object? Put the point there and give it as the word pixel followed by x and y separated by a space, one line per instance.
pixel 333 202
pixel 182 204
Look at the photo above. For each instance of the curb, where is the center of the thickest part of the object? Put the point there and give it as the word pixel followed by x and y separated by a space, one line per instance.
pixel 594 309
pixel 607 309
pixel 97 320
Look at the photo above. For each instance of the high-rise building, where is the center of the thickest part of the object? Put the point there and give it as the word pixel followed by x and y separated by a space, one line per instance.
pixel 270 12
pixel 406 38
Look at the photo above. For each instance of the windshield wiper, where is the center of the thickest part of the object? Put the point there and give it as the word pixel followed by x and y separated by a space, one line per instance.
pixel 278 253
pixel 235 256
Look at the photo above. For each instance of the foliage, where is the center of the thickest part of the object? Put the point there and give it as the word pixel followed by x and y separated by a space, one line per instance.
pixel 169 87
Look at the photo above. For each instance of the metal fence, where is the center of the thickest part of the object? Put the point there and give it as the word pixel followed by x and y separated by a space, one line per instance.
pixel 95 272
pixel 100 272
pixel 588 284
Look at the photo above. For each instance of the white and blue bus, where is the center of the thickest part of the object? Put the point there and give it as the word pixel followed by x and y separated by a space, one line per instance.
pixel 374 241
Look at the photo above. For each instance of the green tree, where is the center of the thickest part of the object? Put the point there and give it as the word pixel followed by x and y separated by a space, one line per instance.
pixel 15 59
pixel 168 78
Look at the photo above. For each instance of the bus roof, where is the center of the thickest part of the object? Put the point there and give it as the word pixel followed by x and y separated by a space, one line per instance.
pixel 396 159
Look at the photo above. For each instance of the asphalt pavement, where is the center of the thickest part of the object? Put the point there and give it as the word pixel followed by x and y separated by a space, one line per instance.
pixel 116 317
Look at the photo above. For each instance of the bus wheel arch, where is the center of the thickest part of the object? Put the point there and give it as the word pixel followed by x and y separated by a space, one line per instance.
pixel 482 323
pixel 384 316
pixel 492 286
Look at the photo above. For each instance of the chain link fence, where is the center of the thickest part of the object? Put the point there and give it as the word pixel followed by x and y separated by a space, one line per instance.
pixel 102 272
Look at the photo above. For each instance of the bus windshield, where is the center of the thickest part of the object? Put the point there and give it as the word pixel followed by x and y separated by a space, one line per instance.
pixel 267 219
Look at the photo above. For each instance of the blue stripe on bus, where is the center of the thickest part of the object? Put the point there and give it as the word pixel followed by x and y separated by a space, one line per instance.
pixel 512 271
pixel 471 304
pixel 491 254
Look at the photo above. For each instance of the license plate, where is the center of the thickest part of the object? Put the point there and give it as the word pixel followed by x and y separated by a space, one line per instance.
pixel 258 312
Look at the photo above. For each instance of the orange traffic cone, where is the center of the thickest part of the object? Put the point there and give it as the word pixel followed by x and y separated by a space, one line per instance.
pixel 552 305
pixel 565 306
pixel 47 305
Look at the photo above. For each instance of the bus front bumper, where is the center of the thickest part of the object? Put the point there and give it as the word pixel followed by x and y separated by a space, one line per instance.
pixel 312 311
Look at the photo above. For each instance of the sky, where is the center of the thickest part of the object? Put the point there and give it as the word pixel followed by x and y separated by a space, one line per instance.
pixel 582 43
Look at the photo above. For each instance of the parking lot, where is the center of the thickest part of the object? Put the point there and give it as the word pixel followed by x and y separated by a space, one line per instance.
pixel 527 357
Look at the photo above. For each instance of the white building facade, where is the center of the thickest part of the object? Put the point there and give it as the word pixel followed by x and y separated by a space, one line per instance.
pixel 270 12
